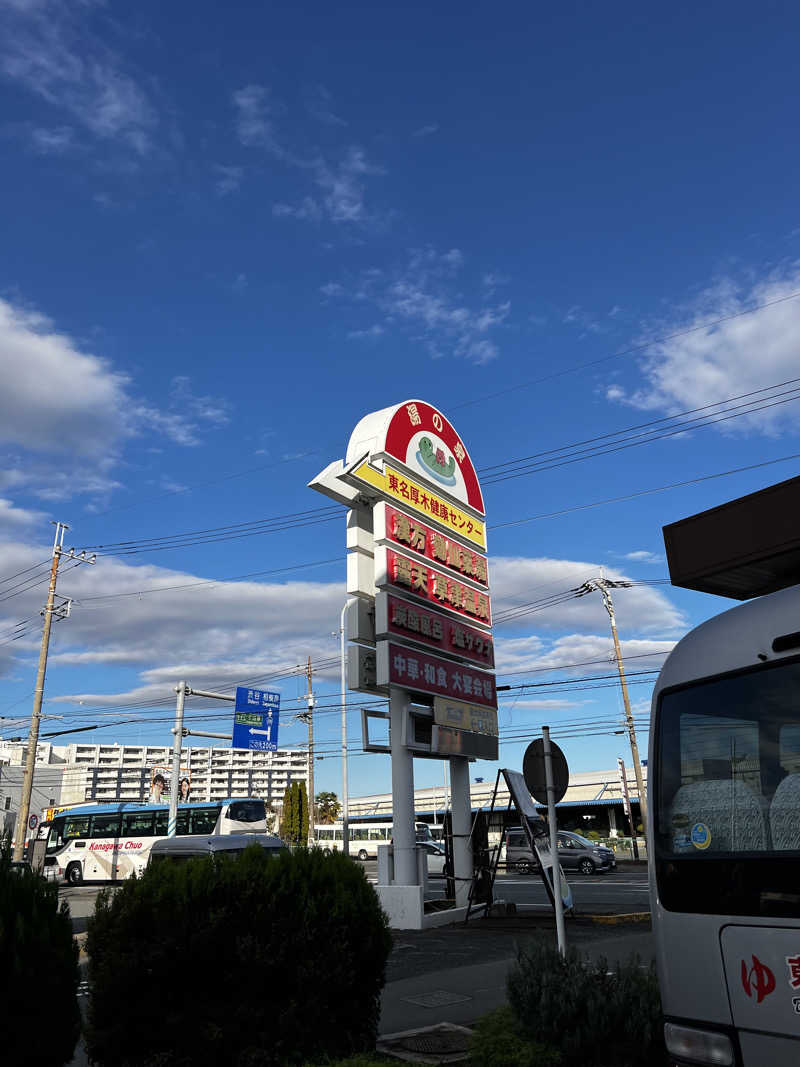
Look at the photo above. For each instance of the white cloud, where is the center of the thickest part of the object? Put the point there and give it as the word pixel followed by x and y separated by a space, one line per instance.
pixel 343 185
pixel 426 131
pixel 255 111
pixel 518 582
pixel 88 409
pixel 712 363
pixel 643 556
pixel 229 179
pixel 422 297
pixel 308 210
pixel 247 629
pixel 83 407
pixel 52 141
pixel 51 51
pixel 14 519
pixel 319 104
pixel 364 335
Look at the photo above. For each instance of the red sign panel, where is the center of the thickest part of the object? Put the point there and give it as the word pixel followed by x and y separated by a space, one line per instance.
pixel 406 619
pixel 443 551
pixel 422 438
pixel 421 672
pixel 415 576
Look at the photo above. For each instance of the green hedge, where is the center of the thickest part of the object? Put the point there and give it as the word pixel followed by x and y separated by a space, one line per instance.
pixel 252 961
pixel 498 1041
pixel 38 972
pixel 591 1014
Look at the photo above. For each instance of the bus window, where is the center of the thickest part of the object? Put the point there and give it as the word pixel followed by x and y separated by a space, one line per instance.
pixel 55 839
pixel 203 820
pixel 325 833
pixel 377 833
pixel 726 811
pixel 338 834
pixel 182 822
pixel 105 825
pixel 162 823
pixel 76 826
pixel 138 824
pixel 247 811
pixel 359 833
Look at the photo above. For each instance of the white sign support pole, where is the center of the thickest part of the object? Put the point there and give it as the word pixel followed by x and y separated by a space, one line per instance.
pixel 462 848
pixel 172 823
pixel 403 833
pixel 551 819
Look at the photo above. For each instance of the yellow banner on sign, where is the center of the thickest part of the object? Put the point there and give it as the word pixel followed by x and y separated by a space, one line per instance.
pixel 411 494
pixel 461 716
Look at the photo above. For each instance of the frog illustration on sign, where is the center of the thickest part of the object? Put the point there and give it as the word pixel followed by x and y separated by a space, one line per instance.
pixel 434 462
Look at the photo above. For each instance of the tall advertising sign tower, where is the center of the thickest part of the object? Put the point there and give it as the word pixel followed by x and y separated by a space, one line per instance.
pixel 420 629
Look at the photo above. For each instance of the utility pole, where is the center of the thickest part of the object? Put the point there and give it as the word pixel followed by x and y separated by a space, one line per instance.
pixel 604 586
pixel 309 717
pixel 59 611
pixel 345 794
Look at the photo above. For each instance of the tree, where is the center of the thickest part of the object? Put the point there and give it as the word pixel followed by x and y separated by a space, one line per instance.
pixel 294 817
pixel 328 807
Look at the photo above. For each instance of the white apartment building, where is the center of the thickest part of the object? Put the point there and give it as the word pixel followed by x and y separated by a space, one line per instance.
pixel 106 773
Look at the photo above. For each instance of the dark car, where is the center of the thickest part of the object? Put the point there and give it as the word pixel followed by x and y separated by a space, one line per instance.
pixel 575 853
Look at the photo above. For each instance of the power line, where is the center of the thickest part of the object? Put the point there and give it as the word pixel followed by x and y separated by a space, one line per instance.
pixel 646 492
pixel 551 459
pixel 631 350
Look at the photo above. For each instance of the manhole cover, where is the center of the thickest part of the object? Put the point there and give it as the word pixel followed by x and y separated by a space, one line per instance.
pixel 440 998
pixel 443 1043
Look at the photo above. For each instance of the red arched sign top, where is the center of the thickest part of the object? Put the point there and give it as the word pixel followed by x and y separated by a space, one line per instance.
pixel 422 438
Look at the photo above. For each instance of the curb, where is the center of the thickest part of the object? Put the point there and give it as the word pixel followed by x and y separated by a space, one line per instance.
pixel 616 920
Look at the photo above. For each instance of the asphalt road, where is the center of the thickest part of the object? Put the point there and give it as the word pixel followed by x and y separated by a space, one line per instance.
pixel 618 892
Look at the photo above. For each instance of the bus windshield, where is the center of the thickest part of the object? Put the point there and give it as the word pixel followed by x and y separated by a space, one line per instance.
pixel 728 792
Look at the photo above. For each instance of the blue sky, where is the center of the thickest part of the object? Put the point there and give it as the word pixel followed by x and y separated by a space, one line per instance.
pixel 231 230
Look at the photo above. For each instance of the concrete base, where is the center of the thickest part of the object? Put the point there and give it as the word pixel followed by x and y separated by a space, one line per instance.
pixel 403 904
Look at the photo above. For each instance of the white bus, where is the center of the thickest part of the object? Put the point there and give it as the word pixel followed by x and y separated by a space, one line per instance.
pixel 107 842
pixel 724 823
pixel 364 837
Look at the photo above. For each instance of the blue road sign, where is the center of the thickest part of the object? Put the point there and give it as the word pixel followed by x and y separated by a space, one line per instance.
pixel 255 719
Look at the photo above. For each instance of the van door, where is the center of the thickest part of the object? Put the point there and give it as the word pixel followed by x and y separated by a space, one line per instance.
pixel 762 972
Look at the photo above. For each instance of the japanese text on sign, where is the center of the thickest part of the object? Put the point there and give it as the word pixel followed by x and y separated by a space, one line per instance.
pixel 409 492
pixel 415 576
pixel 411 533
pixel 421 672
pixel 408 620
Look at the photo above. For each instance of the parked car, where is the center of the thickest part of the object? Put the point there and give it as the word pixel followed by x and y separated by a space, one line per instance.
pixel 575 853
pixel 185 848
pixel 435 856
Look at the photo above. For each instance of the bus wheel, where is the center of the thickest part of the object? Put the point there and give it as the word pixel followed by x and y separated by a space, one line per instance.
pixel 362 854
pixel 73 875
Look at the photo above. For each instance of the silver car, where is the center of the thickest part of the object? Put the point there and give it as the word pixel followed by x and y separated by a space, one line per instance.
pixel 575 853
pixel 185 848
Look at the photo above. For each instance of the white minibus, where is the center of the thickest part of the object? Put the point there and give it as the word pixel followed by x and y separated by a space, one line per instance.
pixel 724 825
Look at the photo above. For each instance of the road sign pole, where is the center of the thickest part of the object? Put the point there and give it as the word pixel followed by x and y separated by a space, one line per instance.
pixel 558 903
pixel 174 785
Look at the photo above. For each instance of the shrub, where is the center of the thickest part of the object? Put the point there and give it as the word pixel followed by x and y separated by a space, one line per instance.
pixel 592 1016
pixel 252 961
pixel 38 971
pixel 498 1042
